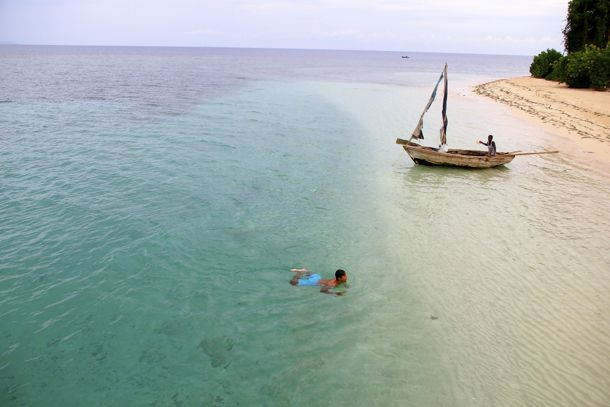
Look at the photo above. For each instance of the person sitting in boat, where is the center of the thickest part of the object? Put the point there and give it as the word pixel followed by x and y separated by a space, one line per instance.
pixel 303 277
pixel 491 145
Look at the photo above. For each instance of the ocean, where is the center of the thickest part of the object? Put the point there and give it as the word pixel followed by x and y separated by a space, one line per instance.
pixel 154 200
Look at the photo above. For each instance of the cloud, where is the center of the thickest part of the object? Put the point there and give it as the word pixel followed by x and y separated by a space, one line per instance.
pixel 346 33
pixel 511 8
pixel 406 25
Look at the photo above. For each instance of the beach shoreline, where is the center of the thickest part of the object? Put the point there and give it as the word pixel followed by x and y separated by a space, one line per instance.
pixel 580 115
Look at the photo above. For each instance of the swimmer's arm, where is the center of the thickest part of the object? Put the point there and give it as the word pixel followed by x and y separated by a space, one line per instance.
pixel 326 290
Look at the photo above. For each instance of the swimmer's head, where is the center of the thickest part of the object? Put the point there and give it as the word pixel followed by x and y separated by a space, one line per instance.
pixel 340 276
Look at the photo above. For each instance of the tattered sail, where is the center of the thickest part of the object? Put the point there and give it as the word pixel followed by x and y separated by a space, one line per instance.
pixel 445 121
pixel 446 156
pixel 418 132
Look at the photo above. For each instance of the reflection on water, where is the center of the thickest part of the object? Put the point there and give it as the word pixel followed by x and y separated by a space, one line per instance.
pixel 432 175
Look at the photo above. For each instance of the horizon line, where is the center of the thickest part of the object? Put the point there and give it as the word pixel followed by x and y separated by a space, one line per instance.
pixel 256 48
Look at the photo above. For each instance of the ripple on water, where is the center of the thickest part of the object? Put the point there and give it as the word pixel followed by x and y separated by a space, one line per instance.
pixel 147 236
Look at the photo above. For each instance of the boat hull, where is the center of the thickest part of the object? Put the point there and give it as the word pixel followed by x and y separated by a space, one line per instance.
pixel 453 157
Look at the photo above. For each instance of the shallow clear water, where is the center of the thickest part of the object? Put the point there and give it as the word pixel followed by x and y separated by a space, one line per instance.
pixel 152 202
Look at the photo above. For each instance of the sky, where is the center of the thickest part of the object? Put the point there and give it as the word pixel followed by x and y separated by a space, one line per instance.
pixel 513 27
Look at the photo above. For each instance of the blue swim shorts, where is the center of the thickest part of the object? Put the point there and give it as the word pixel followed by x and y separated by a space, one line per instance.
pixel 310 280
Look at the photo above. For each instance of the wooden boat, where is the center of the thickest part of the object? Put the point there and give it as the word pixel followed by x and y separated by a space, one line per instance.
pixel 443 155
pixel 453 157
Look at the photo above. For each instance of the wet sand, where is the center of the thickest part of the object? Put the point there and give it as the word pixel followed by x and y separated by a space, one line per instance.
pixel 582 115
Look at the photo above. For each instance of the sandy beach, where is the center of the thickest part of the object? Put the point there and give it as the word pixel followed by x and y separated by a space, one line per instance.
pixel 582 115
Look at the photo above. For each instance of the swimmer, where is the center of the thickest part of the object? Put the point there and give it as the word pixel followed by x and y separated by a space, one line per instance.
pixel 303 277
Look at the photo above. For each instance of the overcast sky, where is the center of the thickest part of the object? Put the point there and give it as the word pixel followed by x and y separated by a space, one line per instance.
pixel 522 27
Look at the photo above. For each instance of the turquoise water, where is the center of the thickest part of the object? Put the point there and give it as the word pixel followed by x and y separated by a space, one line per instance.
pixel 152 202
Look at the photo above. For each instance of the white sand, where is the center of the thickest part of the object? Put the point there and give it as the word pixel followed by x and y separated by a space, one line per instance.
pixel 581 114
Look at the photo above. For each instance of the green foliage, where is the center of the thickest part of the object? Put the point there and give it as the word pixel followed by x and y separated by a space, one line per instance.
pixel 589 68
pixel 542 65
pixel 577 71
pixel 588 22
pixel 600 69
pixel 586 37
pixel 559 70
